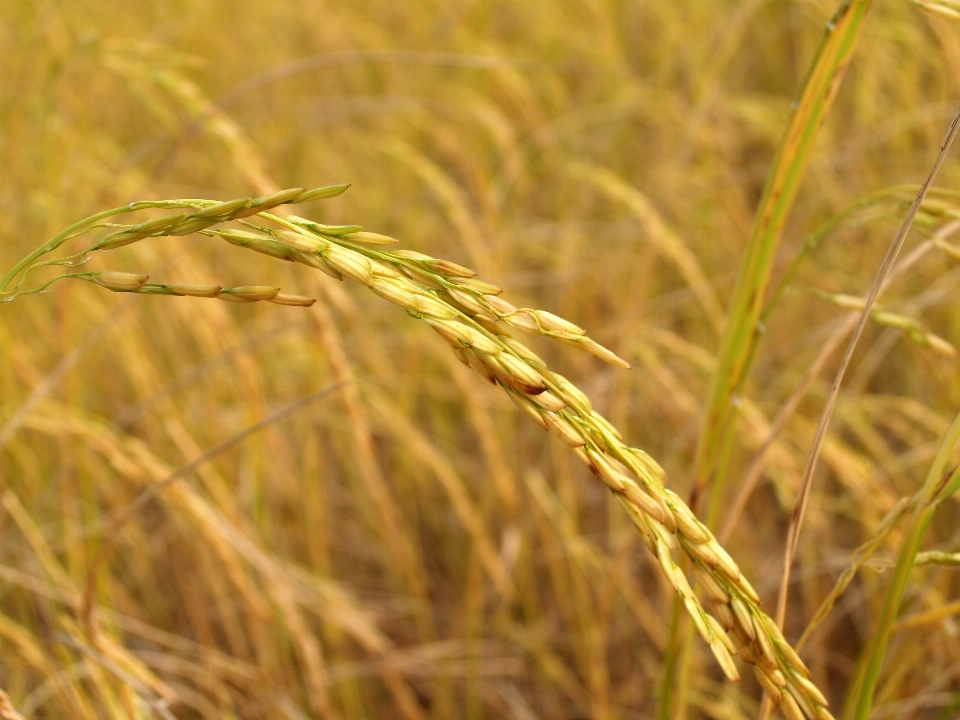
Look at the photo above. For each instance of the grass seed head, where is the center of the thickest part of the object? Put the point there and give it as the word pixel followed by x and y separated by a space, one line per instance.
pixel 370 239
pixel 789 707
pixel 117 240
pixel 645 502
pixel 726 617
pixel 478 285
pixel 349 264
pixel 523 373
pixel 501 305
pixel 690 603
pixel 121 281
pixel 769 687
pixel 223 210
pixel 250 293
pixel 722 653
pixel 157 224
pixel 720 634
pixel 281 197
pixel 292 300
pixel 448 269
pixel 471 317
pixel 549 321
pixel 331 191
pixel 548 401
pixel 204 291
pixel 526 406
pixel 564 429
pixel 714 590
pixel 312 259
pixel 301 241
pixel 399 291
pixel 429 306
pixel 468 301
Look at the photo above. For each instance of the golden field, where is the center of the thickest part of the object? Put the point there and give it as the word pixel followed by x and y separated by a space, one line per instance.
pixel 345 522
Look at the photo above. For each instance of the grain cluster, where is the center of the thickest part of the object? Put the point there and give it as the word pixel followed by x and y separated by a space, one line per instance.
pixel 473 318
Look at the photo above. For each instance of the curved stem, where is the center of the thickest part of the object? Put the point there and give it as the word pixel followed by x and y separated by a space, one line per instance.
pixel 61 238
pixel 81 225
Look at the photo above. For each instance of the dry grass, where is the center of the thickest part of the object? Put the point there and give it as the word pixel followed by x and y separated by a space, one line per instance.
pixel 408 546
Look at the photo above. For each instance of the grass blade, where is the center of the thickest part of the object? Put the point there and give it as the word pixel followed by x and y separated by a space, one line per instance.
pixel 818 94
pixel 733 360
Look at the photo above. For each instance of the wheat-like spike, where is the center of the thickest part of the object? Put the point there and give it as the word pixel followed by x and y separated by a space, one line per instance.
pixel 474 320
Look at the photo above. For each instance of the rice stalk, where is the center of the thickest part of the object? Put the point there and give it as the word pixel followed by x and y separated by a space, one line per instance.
pixel 476 322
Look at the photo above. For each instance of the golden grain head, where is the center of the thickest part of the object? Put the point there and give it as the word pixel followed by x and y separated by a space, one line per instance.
pixel 392 527
pixel 121 281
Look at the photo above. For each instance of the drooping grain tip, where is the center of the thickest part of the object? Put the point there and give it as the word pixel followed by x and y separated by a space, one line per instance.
pixel 323 193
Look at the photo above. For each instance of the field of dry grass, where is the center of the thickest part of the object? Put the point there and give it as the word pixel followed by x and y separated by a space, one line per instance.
pixel 348 523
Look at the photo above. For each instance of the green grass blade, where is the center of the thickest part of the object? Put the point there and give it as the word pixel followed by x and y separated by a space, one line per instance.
pixel 734 357
pixel 784 179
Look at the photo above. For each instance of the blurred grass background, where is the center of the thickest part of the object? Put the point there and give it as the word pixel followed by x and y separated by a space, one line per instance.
pixel 409 546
